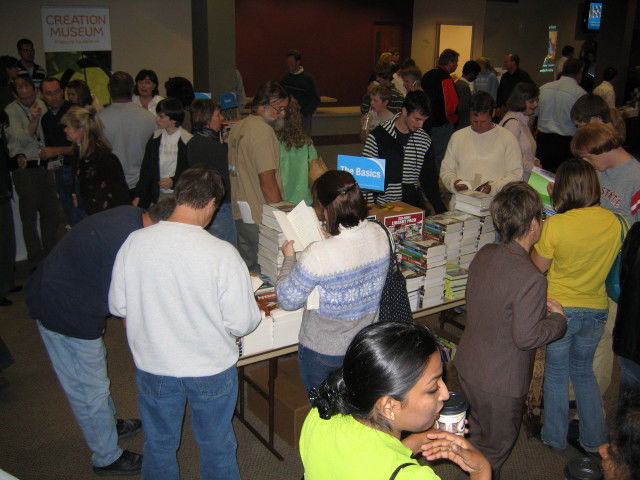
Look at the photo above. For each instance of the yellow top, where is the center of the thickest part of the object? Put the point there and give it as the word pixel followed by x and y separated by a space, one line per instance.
pixel 583 244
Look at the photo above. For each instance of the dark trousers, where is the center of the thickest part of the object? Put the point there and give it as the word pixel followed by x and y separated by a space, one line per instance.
pixel 494 423
pixel 36 191
pixel 7 248
pixel 65 184
pixel 5 356
pixel 248 235
pixel 552 149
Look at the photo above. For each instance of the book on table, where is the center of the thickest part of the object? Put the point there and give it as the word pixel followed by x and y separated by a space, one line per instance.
pixel 478 199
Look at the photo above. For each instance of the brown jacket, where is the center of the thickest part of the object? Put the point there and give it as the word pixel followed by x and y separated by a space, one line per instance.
pixel 506 321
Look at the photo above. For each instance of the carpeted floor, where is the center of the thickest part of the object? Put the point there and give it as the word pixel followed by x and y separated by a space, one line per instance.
pixel 39 439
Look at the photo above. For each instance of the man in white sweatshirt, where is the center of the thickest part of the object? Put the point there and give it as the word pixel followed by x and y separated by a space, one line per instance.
pixel 483 156
pixel 186 296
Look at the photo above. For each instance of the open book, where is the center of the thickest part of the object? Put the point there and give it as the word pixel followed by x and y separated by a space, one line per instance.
pixel 540 180
pixel 300 225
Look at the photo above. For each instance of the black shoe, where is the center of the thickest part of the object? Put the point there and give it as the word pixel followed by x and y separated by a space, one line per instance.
pixel 16 289
pixel 575 443
pixel 129 463
pixel 128 428
pixel 5 302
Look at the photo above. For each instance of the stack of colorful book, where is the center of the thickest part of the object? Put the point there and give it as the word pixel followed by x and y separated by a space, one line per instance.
pixel 446 229
pixel 455 282
pixel 422 261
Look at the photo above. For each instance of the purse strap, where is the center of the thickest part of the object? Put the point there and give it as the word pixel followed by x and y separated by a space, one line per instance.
pixel 397 470
pixel 392 252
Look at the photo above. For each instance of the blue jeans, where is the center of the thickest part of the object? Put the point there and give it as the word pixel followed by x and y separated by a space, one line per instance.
pixel 315 367
pixel 572 357
pixel 629 374
pixel 81 367
pixel 212 399
pixel 223 226
pixel 64 184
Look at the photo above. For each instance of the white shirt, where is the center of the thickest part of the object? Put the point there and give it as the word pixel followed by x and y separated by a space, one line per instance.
pixel 555 103
pixel 186 296
pixel 606 91
pixel 493 156
pixel 168 155
pixel 559 66
pixel 152 104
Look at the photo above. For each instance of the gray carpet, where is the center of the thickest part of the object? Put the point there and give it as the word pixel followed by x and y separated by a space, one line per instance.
pixel 40 440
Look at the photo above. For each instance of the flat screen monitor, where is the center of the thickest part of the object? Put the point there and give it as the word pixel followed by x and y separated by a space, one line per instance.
pixel 594 16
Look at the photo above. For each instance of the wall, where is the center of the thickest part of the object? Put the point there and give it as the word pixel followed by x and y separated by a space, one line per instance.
pixel 334 36
pixel 427 14
pixel 523 28
pixel 144 34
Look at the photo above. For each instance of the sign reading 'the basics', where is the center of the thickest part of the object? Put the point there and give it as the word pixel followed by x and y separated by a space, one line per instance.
pixel 368 172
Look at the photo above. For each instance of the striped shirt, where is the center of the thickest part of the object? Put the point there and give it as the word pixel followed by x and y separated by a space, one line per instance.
pixel 414 154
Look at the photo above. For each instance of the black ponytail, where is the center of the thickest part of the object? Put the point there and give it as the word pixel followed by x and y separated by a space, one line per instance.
pixel 383 359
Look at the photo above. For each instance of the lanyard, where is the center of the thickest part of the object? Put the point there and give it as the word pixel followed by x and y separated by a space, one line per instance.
pixel 28 115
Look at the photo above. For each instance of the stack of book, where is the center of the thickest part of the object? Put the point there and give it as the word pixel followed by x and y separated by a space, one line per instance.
pixel 469 242
pixel 445 229
pixel 422 261
pixel 475 203
pixel 433 286
pixel 487 231
pixel 448 349
pixel 271 238
pixel 455 282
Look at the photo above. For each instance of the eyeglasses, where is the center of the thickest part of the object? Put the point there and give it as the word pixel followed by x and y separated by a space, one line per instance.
pixel 277 109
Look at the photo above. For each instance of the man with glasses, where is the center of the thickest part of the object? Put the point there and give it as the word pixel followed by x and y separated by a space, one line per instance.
pixel 254 166
pixel 27 66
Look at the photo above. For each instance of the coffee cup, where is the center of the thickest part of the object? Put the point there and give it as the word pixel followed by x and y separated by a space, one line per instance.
pixel 453 414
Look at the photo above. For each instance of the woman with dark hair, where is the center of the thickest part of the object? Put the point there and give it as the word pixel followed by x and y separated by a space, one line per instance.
pixel 101 181
pixel 207 148
pixel 9 70
pixel 296 153
pixel 578 246
pixel 349 267
pixel 146 90
pixel 390 382
pixel 521 106
pixel 182 89
pixel 621 455
pixel 79 94
pixel 165 156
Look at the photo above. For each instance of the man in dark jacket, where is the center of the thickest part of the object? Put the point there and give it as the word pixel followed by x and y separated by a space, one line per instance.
pixel 508 317
pixel 511 78
pixel 439 86
pixel 302 87
pixel 408 152
pixel 68 296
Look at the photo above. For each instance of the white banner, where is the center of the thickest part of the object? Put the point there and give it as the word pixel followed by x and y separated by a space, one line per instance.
pixel 75 29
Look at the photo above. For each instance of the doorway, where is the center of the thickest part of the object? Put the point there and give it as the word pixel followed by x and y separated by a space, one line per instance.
pixel 458 38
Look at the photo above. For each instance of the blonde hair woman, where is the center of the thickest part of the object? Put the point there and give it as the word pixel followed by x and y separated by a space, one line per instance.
pixel 100 178
pixel 487 80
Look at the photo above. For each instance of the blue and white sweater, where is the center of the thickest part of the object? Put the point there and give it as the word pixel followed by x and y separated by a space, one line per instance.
pixel 350 269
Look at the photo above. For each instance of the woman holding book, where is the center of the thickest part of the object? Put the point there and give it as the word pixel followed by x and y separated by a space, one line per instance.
pixel 578 245
pixel 391 382
pixel 349 268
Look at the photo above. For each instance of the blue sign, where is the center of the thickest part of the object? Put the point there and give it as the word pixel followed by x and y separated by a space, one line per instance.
pixel 227 100
pixel 368 172
pixel 202 95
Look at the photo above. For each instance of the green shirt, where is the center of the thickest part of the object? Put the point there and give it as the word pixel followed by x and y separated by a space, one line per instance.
pixel 294 171
pixel 342 448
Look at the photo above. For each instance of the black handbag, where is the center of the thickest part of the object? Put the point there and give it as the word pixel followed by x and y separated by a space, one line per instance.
pixel 394 302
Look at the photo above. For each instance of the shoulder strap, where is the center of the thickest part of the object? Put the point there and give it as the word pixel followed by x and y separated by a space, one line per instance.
pixel 397 470
pixel 391 243
pixel 624 226
pixel 505 122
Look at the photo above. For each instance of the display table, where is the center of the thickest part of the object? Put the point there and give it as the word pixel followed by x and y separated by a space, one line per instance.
pixel 272 357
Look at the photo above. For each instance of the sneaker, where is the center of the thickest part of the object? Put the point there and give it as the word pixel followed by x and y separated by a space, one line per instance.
pixel 129 463
pixel 128 428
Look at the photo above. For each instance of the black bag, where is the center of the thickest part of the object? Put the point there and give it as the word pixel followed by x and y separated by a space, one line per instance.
pixel 394 303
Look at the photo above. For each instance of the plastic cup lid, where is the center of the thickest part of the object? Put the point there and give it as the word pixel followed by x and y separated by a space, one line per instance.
pixel 456 404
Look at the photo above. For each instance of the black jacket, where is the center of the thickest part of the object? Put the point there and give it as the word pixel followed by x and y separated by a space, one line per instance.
pixel 147 188
pixel 626 332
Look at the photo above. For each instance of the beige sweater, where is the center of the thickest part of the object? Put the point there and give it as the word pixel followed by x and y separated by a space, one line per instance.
pixel 476 158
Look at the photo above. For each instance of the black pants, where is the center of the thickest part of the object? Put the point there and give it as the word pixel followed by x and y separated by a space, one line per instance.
pixel 552 150
pixel 7 248
pixel 37 196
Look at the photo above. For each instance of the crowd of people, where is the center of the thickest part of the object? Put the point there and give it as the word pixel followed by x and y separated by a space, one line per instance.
pixel 149 210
